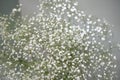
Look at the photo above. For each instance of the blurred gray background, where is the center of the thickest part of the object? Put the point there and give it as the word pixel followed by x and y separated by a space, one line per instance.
pixel 6 6
pixel 108 9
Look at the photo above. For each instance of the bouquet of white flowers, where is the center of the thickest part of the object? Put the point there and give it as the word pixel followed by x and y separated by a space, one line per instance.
pixel 58 43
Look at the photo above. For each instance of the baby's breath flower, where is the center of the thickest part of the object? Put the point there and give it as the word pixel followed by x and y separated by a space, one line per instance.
pixel 59 43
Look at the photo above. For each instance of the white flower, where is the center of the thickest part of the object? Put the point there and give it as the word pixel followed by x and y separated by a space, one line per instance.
pixel 14 10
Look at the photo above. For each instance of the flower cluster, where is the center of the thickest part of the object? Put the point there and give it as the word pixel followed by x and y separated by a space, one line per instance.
pixel 59 43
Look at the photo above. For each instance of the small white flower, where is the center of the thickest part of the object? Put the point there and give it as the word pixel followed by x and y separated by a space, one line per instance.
pixel 14 10
pixel 103 38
